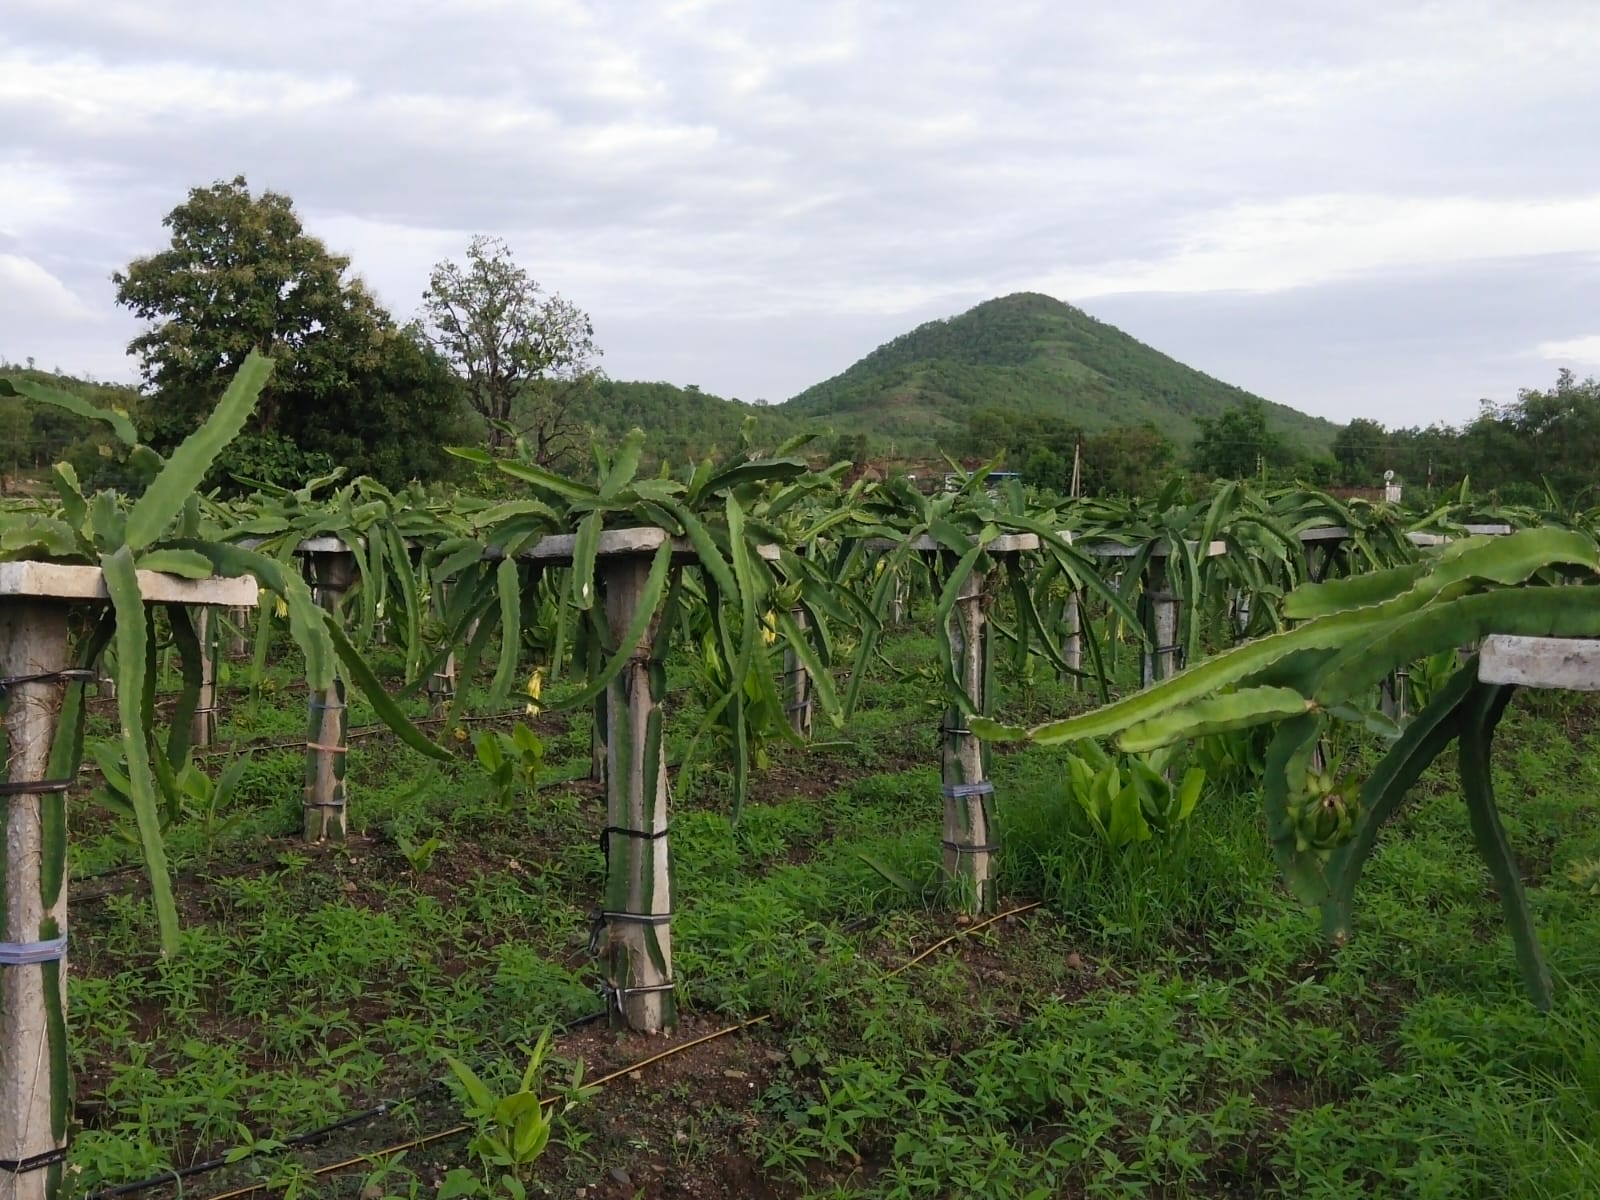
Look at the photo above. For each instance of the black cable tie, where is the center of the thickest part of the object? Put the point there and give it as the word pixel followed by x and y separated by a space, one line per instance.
pixel 637 834
pixel 601 917
pixel 35 1162
pixel 965 848
pixel 614 995
pixel 323 804
pixel 37 787
pixel 952 729
pixel 69 674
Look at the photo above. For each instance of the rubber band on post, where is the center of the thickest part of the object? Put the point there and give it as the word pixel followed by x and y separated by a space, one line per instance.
pixel 636 834
pixel 960 848
pixel 961 791
pixel 68 675
pixel 28 954
pixel 615 996
pixel 35 1162
pixel 38 787
pixel 325 705
pixel 329 749
pixel 603 917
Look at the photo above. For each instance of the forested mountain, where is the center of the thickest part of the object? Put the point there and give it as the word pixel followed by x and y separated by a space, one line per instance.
pixel 1032 354
pixel 33 436
pixel 683 424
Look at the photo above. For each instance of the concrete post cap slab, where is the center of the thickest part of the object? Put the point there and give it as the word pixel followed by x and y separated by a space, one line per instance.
pixel 87 585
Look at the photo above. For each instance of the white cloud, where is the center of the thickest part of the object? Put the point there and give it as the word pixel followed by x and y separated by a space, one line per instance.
pixel 92 94
pixel 1320 239
pixel 27 289
pixel 1584 350
pixel 36 196
pixel 831 168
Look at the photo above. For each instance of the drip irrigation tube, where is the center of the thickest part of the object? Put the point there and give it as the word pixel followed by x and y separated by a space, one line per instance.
pixel 623 1072
pixel 382 1109
pixel 178 1174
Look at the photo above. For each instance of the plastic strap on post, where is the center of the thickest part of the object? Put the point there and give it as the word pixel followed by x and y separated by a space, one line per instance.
pixel 325 706
pixel 615 996
pixel 36 1162
pixel 964 848
pixel 636 834
pixel 961 791
pixel 28 954
pixel 604 917
pixel 70 675
pixel 38 787
pixel 329 749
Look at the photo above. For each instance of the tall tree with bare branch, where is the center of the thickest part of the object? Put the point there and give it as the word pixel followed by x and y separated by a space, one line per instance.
pixel 524 355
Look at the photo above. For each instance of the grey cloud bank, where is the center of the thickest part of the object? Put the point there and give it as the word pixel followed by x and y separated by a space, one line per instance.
pixel 1386 210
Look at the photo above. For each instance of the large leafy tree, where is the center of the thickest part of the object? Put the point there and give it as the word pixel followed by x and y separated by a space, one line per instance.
pixel 1236 444
pixel 524 356
pixel 1361 449
pixel 350 386
pixel 1131 460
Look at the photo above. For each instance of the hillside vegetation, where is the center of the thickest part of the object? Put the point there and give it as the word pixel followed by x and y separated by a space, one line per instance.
pixel 1031 354
pixel 34 436
pixel 683 424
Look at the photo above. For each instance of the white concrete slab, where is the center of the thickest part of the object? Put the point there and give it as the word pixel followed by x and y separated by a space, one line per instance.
pixel 1442 539
pixel 1164 550
pixel 85 584
pixel 1005 543
pixel 556 549
pixel 1541 662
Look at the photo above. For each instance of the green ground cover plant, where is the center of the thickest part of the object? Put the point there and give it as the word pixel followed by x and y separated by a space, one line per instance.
pixel 1169 1021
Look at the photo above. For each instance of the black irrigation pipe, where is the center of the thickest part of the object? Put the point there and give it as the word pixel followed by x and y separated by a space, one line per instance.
pixel 381 1109
pixel 178 1174
pixel 634 1067
pixel 358 731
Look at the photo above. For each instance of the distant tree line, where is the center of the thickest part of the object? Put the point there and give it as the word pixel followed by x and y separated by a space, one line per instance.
pixel 1513 452
pixel 492 357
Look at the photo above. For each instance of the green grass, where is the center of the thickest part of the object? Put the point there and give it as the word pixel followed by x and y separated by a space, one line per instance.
pixel 1169 1022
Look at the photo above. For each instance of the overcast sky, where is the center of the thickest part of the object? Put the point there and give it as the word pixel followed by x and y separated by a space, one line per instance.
pixel 1379 209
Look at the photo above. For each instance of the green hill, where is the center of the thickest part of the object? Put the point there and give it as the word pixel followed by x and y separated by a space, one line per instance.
pixel 1032 354
pixel 33 436
pixel 683 424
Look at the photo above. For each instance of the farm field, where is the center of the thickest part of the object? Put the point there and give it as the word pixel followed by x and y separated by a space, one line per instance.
pixel 1156 1019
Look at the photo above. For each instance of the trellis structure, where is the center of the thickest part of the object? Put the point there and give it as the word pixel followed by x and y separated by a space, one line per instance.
pixel 36 600
pixel 325 802
pixel 1158 660
pixel 969 837
pixel 633 925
